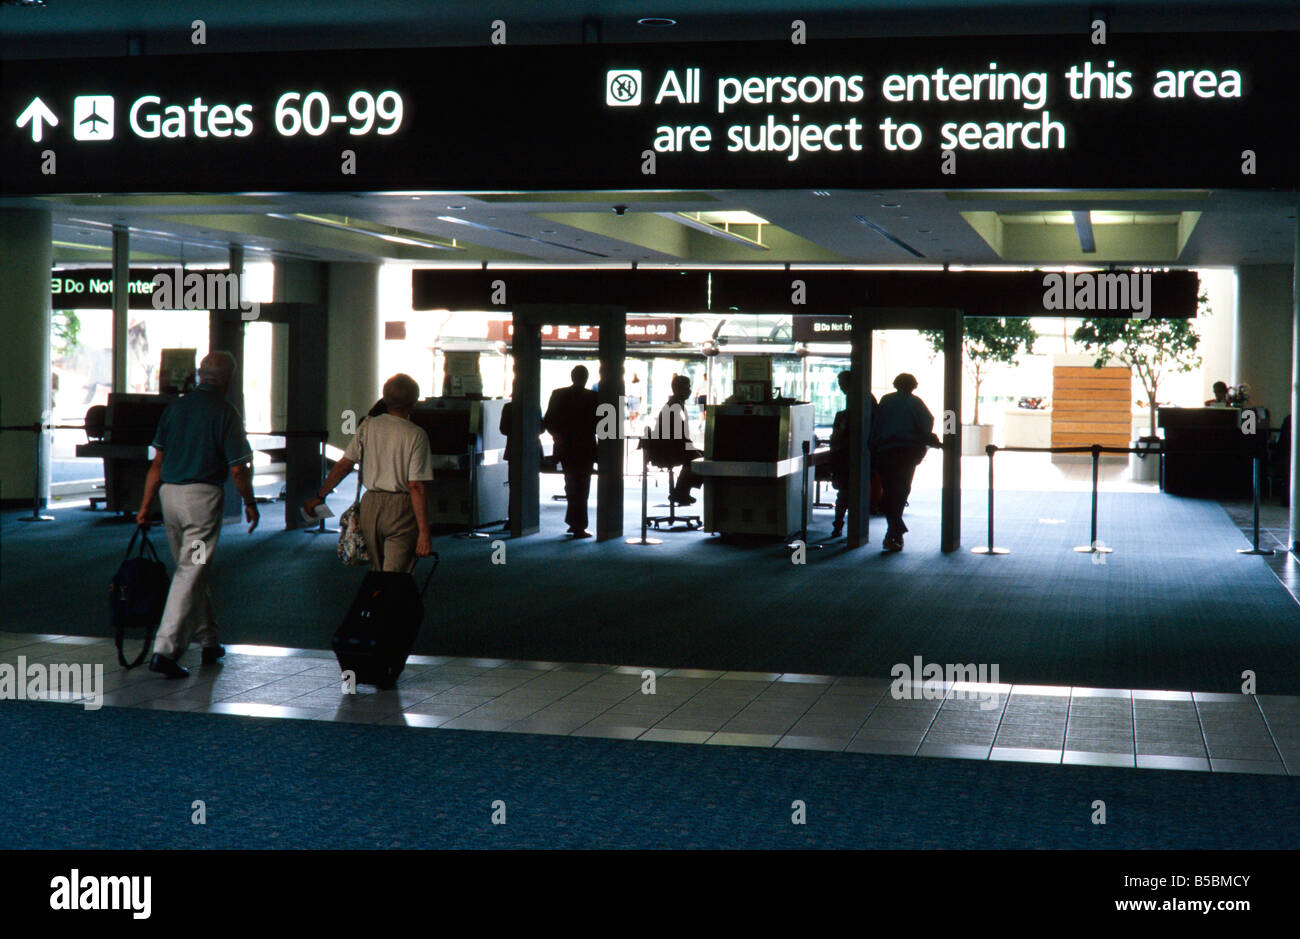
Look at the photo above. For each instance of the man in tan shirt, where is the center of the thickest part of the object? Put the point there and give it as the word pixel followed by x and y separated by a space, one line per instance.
pixel 396 463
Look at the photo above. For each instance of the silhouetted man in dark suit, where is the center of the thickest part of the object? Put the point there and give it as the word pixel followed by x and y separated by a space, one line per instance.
pixel 571 419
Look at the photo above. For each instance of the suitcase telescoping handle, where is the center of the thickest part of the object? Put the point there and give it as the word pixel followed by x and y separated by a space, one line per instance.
pixel 435 559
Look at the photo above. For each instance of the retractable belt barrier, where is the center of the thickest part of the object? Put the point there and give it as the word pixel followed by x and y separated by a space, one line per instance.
pixel 37 428
pixel 1094 546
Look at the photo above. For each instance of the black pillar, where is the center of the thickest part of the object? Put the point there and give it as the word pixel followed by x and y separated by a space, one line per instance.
pixel 304 403
pixel 950 515
pixel 609 484
pixel 226 331
pixel 859 433
pixel 524 426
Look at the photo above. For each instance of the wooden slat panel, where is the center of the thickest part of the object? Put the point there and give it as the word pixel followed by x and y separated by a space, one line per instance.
pixel 1080 384
pixel 1080 371
pixel 1072 404
pixel 1092 427
pixel 1087 440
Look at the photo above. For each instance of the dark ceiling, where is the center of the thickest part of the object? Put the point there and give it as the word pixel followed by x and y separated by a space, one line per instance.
pixel 66 28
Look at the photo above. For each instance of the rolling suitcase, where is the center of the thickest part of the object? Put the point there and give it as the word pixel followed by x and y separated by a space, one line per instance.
pixel 380 628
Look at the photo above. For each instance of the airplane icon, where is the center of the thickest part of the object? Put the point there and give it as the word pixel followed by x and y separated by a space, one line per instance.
pixel 88 117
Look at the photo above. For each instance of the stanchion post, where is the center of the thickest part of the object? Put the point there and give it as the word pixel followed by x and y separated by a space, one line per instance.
pixel 1264 552
pixel 645 464
pixel 471 529
pixel 38 428
pixel 1093 546
pixel 803 503
pixel 990 550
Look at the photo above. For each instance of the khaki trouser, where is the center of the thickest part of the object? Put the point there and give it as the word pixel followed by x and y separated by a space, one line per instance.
pixel 192 516
pixel 389 527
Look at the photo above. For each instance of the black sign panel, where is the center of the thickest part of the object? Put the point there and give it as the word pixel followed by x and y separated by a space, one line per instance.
pixel 825 295
pixel 1158 111
pixel 92 289
pixel 822 328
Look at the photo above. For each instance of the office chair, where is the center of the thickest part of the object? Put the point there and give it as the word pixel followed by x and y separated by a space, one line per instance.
pixel 658 458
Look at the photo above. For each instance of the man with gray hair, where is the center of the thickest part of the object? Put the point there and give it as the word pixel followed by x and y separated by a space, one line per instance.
pixel 396 463
pixel 200 438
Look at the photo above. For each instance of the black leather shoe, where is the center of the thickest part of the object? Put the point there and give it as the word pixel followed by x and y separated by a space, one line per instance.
pixel 167 667
pixel 211 654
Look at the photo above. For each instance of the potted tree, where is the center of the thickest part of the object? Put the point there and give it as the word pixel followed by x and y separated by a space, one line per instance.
pixel 1151 348
pixel 987 342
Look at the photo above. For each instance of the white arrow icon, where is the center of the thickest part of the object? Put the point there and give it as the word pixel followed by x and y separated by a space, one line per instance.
pixel 37 114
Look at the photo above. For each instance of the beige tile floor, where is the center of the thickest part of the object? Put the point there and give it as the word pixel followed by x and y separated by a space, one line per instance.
pixel 1079 726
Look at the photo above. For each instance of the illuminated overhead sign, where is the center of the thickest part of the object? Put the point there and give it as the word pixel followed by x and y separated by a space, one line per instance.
pixel 1158 110
pixel 639 329
pixel 92 289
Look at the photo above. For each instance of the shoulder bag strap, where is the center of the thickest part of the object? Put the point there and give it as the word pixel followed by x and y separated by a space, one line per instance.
pixel 433 568
pixel 119 637
pixel 361 458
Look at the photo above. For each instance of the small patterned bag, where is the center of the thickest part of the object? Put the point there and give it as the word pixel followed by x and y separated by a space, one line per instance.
pixel 352 543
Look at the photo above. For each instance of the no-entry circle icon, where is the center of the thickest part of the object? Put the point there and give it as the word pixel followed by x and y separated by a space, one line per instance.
pixel 623 87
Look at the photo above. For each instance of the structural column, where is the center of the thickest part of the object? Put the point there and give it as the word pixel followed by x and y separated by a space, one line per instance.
pixel 1262 358
pixel 525 427
pixel 352 376
pixel 950 523
pixel 859 504
pixel 609 484
pixel 121 306
pixel 26 257
pixel 226 332
pixel 1295 393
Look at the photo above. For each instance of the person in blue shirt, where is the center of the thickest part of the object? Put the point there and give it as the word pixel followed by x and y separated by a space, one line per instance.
pixel 200 438
pixel 901 428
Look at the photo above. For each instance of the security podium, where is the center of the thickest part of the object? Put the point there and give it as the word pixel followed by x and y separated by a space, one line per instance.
pixel 470 475
pixel 129 427
pixel 753 468
pixel 1206 453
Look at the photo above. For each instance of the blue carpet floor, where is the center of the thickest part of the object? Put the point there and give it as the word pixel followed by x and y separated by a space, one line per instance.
pixel 1174 607
pixel 123 778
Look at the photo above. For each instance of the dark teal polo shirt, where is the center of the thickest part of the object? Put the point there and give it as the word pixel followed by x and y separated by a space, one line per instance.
pixel 201 436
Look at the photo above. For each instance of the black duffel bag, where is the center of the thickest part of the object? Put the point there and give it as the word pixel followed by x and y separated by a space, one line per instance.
pixel 137 596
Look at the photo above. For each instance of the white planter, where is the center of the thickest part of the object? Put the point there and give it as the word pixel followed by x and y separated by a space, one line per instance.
pixel 974 438
pixel 1144 469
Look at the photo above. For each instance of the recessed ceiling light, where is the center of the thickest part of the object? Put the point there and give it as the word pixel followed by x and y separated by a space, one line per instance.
pixel 456 208
pixel 548 231
pixel 924 231
pixel 415 198
pixel 820 192
pixel 889 205
pixel 659 21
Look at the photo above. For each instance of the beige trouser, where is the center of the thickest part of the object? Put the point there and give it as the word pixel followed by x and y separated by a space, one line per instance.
pixel 192 515
pixel 389 527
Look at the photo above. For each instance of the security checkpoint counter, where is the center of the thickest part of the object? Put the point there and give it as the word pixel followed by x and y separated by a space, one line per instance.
pixel 753 468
